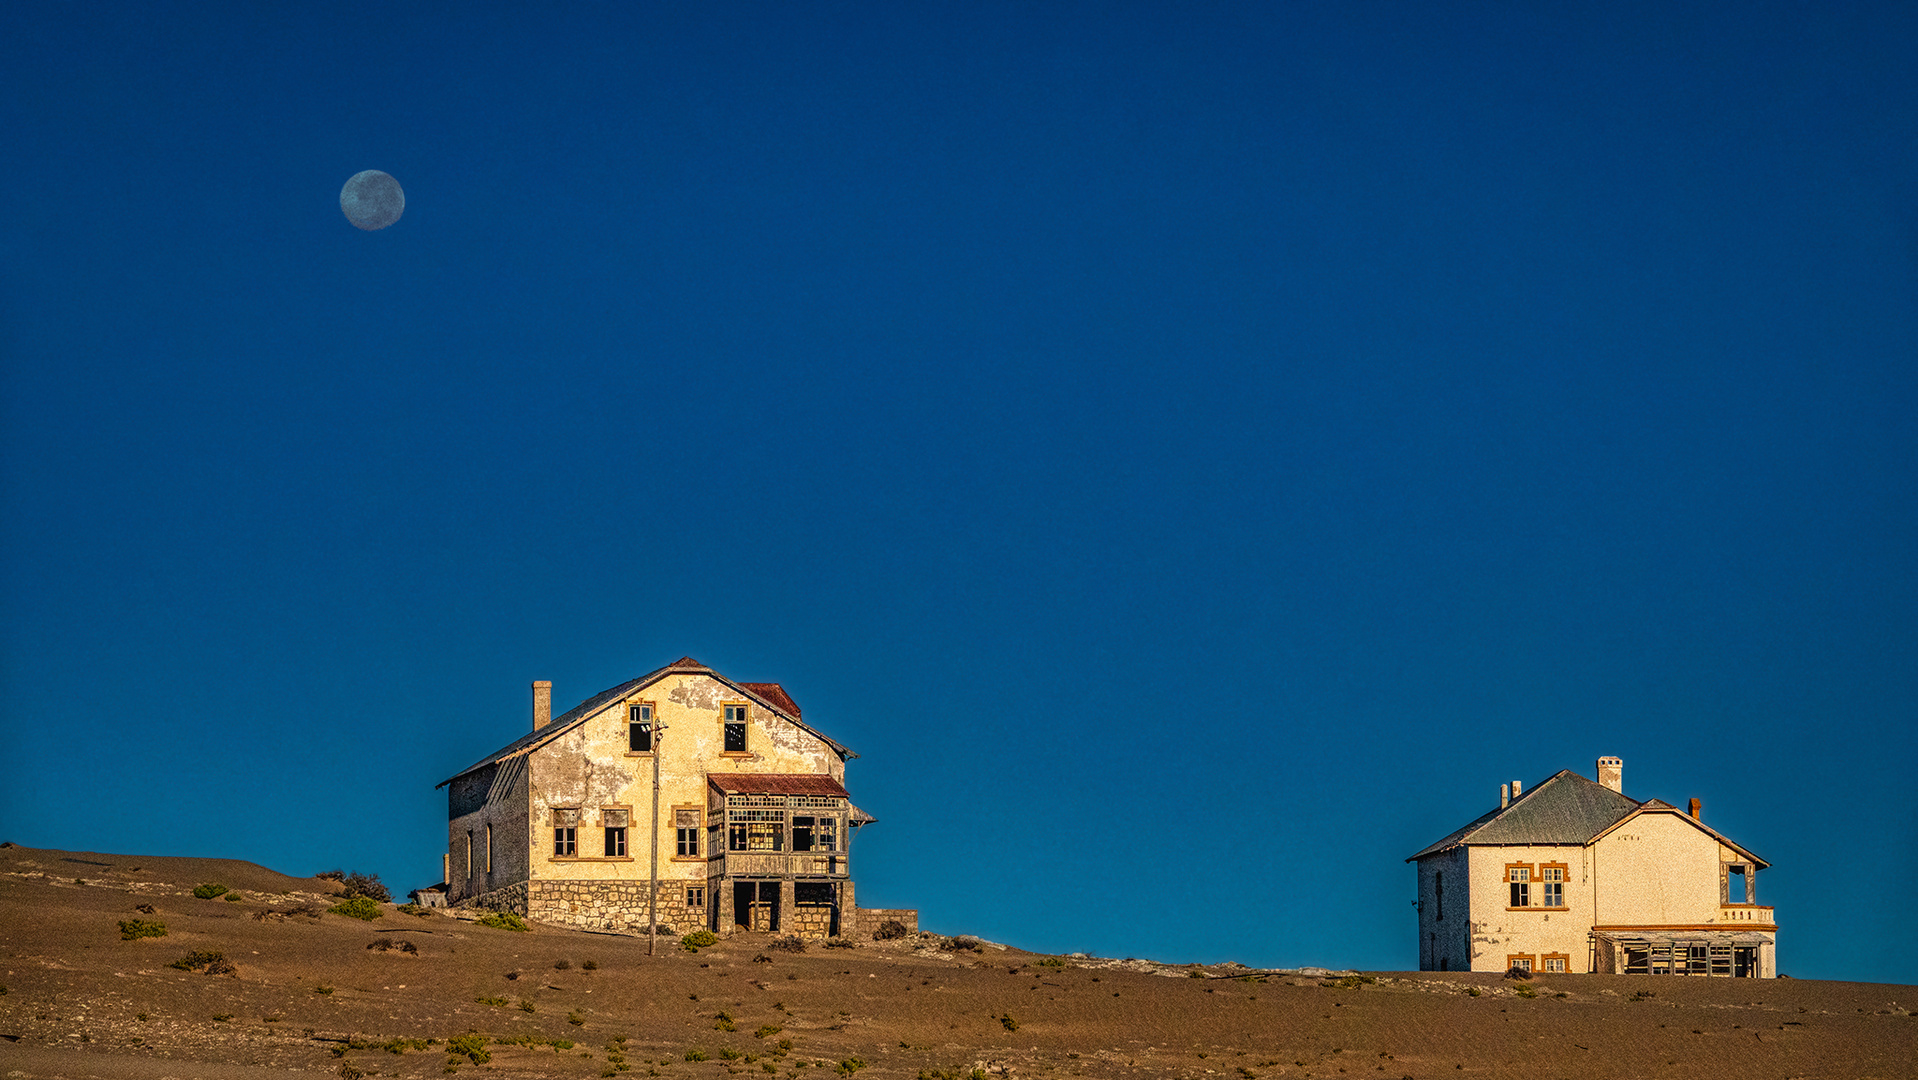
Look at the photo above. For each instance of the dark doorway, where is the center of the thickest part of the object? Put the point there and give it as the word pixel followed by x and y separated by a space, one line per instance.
pixel 756 905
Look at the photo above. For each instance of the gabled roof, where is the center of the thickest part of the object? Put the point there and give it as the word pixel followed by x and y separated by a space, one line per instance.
pixel 1655 806
pixel 776 784
pixel 1565 809
pixel 776 694
pixel 599 702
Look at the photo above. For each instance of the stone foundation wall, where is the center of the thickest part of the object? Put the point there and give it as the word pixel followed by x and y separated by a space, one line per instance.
pixel 811 920
pixel 866 920
pixel 618 906
pixel 512 898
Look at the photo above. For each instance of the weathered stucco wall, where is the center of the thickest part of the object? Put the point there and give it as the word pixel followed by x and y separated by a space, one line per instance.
pixel 494 797
pixel 1498 932
pixel 1660 870
pixel 1444 925
pixel 591 768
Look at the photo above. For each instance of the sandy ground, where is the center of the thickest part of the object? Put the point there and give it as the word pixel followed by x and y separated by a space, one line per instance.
pixel 308 996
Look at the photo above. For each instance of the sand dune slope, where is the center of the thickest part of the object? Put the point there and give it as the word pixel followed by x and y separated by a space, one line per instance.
pixel 325 995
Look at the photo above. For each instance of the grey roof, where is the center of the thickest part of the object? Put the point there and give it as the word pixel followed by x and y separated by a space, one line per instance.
pixel 1565 809
pixel 592 706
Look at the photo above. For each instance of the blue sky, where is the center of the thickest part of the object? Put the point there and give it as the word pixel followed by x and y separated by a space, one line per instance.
pixel 1193 453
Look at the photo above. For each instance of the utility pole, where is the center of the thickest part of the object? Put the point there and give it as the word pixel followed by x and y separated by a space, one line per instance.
pixel 652 897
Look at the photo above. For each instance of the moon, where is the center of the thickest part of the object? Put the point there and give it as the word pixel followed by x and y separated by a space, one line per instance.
pixel 372 200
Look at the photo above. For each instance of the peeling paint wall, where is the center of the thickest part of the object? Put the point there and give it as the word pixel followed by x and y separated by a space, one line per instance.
pixel 591 769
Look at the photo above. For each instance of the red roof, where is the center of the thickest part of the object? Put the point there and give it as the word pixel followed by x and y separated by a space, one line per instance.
pixel 776 694
pixel 776 784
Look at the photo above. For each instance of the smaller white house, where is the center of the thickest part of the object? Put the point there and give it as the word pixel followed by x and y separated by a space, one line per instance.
pixel 1574 876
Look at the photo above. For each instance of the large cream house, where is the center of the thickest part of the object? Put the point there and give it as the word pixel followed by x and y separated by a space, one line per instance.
pixel 680 798
pixel 1574 876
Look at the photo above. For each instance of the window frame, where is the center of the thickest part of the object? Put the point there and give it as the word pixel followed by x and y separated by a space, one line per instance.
pixel 1547 884
pixel 1519 878
pixel 1546 960
pixel 619 833
pixel 1528 961
pixel 696 897
pixel 733 713
pixel 565 836
pixel 651 723
pixel 1746 870
pixel 680 831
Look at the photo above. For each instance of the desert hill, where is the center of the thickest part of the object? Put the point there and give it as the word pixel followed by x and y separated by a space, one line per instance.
pixel 298 989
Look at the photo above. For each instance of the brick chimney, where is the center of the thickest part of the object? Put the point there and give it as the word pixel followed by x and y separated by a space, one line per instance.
pixel 542 704
pixel 1611 773
pixel 1694 808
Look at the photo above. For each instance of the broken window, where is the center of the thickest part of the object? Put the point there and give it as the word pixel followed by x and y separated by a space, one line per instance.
pixel 813 892
pixel 802 833
pixel 639 729
pixel 826 834
pixel 1738 884
pixel 686 826
pixel 735 729
pixel 566 832
pixel 765 836
pixel 1520 878
pixel 1697 959
pixel 615 823
pixel 756 830
pixel 1721 959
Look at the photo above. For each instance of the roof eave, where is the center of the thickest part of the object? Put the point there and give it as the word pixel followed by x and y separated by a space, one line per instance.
pixel 617 694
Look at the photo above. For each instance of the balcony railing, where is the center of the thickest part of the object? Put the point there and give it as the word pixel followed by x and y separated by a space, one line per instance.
pixel 778 864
